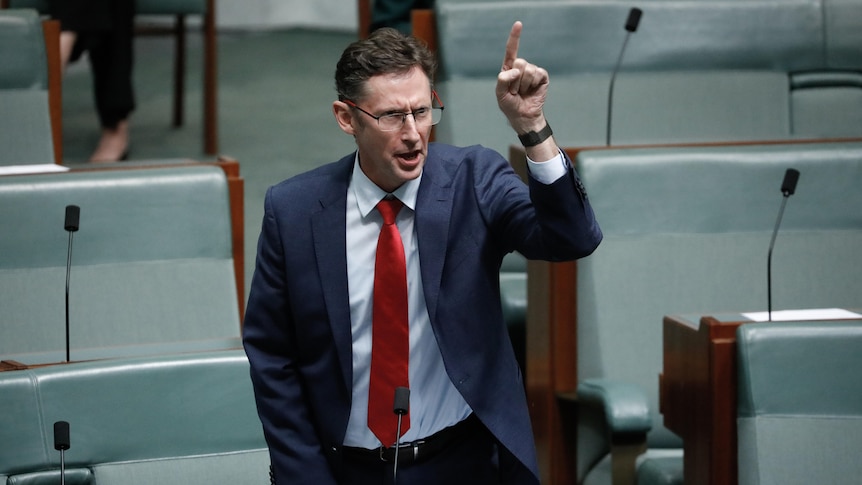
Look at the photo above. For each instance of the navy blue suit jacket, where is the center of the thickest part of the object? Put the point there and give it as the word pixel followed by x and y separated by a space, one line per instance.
pixel 472 209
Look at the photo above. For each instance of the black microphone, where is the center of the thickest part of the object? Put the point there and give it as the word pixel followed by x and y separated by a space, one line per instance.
pixel 61 444
pixel 788 187
pixel 73 215
pixel 632 22
pixel 400 407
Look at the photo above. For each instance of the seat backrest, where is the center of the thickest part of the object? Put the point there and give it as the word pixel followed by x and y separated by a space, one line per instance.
pixel 25 123
pixel 799 402
pixel 577 36
pixel 187 418
pixel 687 230
pixel 693 72
pixel 151 268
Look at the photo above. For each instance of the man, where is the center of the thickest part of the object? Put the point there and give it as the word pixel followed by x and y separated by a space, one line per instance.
pixel 311 329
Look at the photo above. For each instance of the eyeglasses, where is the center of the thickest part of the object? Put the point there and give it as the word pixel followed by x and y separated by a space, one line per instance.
pixel 395 121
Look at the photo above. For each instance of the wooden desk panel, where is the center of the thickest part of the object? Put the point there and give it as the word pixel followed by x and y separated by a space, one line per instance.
pixel 697 395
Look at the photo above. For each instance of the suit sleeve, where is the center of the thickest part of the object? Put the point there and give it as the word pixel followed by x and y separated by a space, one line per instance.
pixel 565 215
pixel 552 222
pixel 268 330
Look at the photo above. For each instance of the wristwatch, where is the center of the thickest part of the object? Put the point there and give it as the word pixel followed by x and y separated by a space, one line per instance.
pixel 532 138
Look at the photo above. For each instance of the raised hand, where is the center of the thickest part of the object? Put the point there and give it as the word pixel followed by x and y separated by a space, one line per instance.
pixel 521 87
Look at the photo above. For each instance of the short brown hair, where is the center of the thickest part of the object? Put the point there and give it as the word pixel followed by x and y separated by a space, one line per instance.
pixel 385 51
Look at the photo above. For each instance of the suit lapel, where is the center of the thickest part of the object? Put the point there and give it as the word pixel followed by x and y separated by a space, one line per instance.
pixel 328 226
pixel 433 212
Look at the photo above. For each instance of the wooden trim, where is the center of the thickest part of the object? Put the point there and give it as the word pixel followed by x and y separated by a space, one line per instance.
pixel 697 395
pixel 552 366
pixel 51 34
pixel 210 79
pixel 424 26
pixel 179 33
pixel 236 186
pixel 364 10
pixel 8 365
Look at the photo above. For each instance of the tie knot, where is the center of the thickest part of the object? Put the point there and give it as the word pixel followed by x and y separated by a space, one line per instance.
pixel 389 208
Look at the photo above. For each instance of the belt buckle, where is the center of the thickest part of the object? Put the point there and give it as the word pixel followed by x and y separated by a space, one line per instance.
pixel 415 445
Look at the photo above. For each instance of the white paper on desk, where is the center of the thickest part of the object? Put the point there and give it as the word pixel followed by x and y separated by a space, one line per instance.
pixel 37 168
pixel 803 315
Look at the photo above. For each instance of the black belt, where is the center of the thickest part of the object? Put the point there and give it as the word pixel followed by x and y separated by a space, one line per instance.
pixel 419 450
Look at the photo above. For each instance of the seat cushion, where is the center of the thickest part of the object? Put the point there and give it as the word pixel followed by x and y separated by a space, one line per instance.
pixel 240 467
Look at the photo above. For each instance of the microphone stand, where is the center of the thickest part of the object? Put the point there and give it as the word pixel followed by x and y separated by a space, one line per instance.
pixel 788 187
pixel 631 26
pixel 68 274
pixel 401 407
pixel 61 444
pixel 611 92
pixel 73 213
pixel 769 259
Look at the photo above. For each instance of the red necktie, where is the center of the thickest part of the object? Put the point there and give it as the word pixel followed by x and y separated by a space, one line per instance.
pixel 390 342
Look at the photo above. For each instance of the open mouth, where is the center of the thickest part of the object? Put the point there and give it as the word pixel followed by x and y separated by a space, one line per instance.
pixel 409 157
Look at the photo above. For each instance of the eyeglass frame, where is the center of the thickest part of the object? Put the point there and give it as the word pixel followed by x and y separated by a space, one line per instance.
pixel 434 95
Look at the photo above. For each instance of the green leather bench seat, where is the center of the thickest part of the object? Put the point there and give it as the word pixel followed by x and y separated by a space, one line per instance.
pixel 687 230
pixel 25 123
pixel 693 72
pixel 187 419
pixel 799 402
pixel 513 297
pixel 649 108
pixel 152 268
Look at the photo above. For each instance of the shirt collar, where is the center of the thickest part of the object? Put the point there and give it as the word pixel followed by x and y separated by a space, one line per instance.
pixel 368 194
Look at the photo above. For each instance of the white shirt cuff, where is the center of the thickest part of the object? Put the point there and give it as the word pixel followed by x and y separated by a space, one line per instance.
pixel 549 171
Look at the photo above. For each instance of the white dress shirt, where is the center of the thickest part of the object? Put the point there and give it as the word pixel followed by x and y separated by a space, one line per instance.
pixel 435 403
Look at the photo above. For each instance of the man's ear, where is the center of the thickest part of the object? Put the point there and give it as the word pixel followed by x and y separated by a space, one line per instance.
pixel 344 117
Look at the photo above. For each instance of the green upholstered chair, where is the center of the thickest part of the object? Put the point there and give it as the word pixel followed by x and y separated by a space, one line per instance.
pixel 152 264
pixel 26 135
pixel 693 72
pixel 799 402
pixel 686 231
pixel 179 10
pixel 187 418
pixel 513 296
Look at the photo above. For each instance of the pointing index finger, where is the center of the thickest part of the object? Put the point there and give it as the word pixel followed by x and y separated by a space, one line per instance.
pixel 512 46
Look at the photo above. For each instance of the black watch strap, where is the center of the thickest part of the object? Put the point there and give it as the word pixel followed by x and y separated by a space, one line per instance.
pixel 532 138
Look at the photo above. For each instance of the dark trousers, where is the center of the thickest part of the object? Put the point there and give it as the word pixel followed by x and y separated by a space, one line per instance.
pixel 476 460
pixel 104 28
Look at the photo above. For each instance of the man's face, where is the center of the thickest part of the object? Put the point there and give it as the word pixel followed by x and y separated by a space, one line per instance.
pixel 389 158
